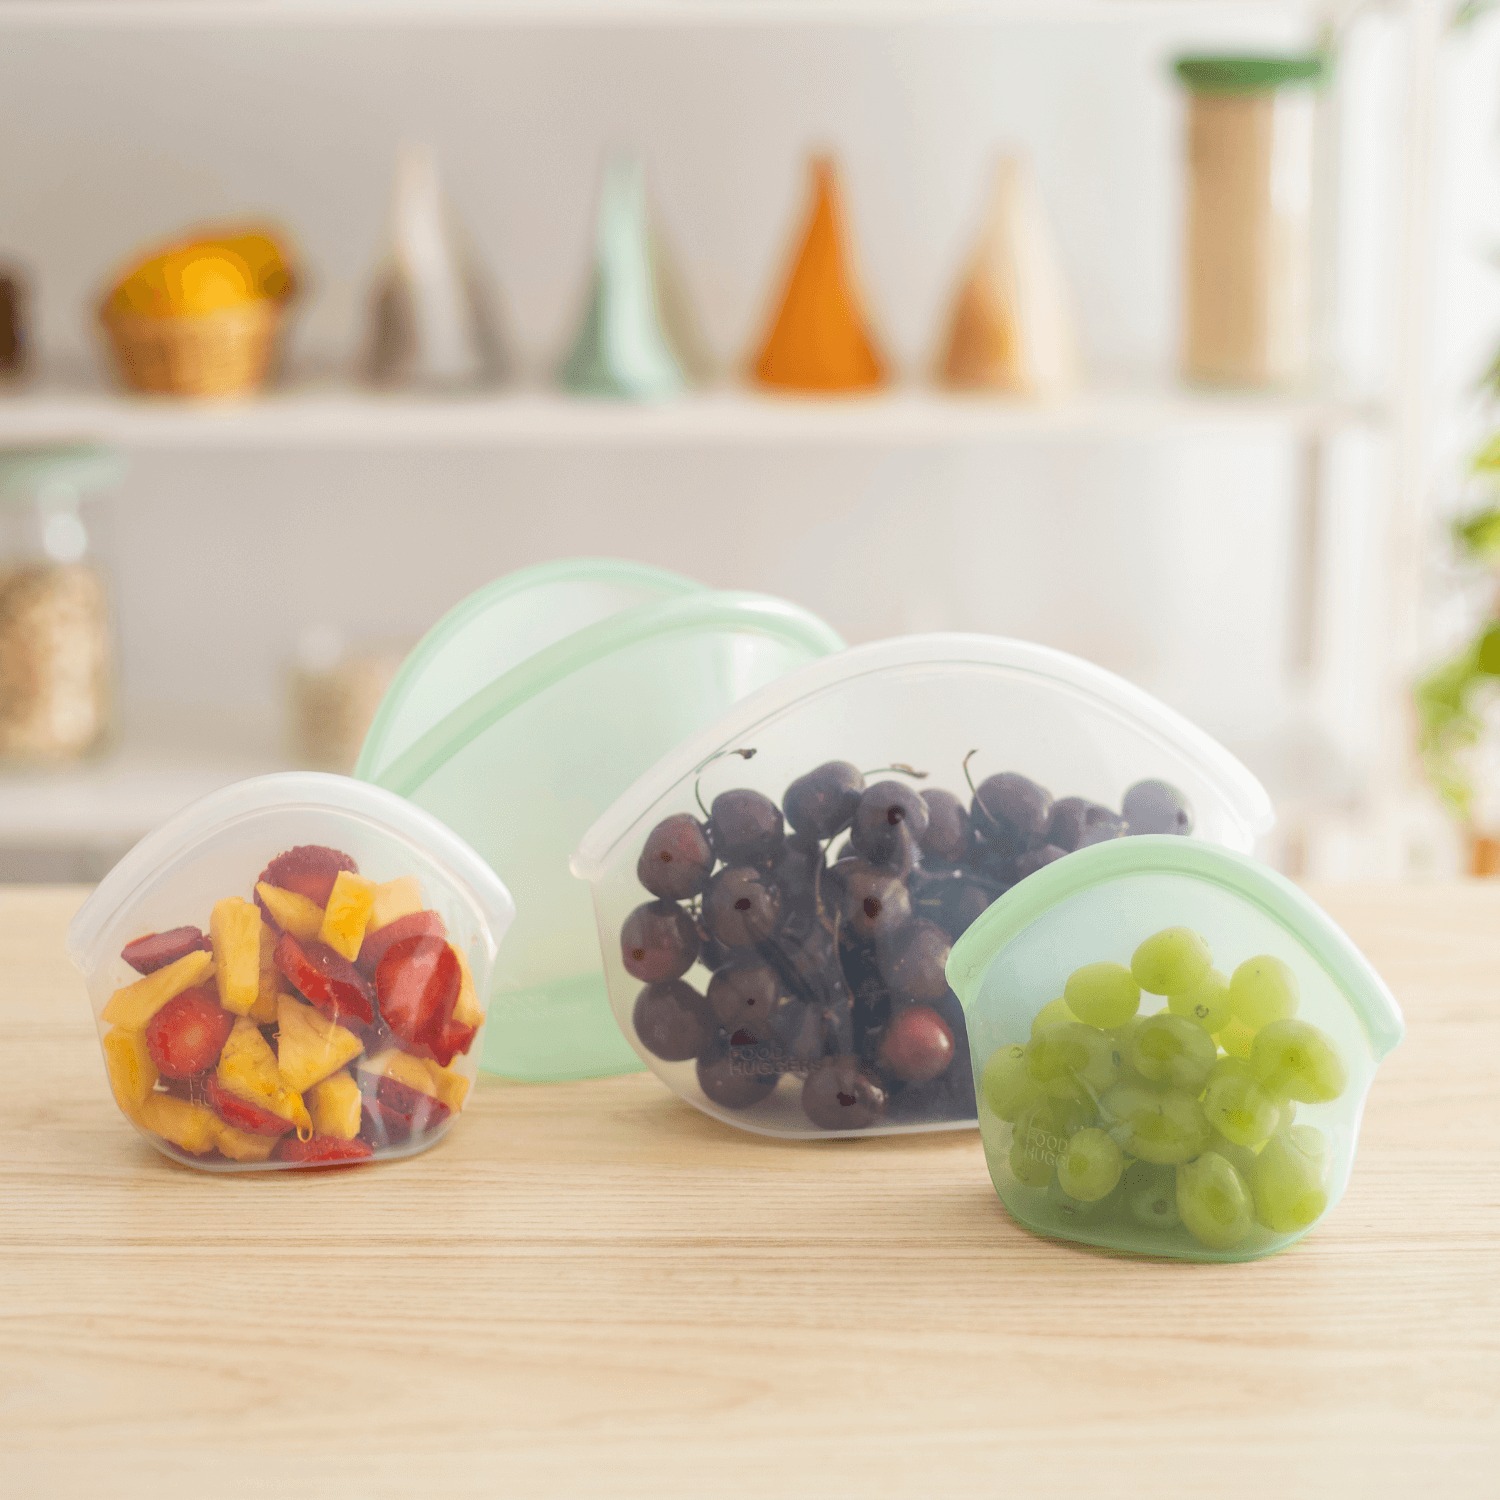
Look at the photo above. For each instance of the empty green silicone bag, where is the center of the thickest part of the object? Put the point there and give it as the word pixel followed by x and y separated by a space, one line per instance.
pixel 1172 1046
pixel 542 744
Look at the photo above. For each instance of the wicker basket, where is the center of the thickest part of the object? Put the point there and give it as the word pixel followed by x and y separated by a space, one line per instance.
pixel 223 353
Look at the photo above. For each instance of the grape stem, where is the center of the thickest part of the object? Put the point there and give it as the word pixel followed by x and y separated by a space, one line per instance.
pixel 900 768
pixel 975 790
pixel 717 755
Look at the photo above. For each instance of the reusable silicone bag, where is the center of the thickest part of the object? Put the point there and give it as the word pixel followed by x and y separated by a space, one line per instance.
pixel 1217 1124
pixel 497 628
pixel 524 765
pixel 292 972
pixel 786 987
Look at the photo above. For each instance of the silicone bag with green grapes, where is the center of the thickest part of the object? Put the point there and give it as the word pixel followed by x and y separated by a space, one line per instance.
pixel 526 747
pixel 1172 1046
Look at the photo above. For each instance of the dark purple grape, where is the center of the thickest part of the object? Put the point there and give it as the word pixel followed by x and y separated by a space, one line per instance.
pixel 676 860
pixel 1076 823
pixel 1034 859
pixel 917 1045
pixel 740 907
pixel 912 960
pixel 948 828
pixel 1011 813
pixel 1157 807
pixel 798 878
pixel 734 1082
pixel 888 825
pixel 953 900
pixel 841 1095
pixel 949 1096
pixel 822 802
pixel 673 1020
pixel 745 998
pixel 658 942
pixel 872 902
pixel 745 827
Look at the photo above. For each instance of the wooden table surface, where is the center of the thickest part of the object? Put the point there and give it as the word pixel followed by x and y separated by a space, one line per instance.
pixel 593 1290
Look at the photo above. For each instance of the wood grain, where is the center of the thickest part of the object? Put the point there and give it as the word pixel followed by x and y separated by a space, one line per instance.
pixel 592 1290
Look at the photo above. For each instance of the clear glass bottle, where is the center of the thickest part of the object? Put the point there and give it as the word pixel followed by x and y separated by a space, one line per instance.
pixel 57 637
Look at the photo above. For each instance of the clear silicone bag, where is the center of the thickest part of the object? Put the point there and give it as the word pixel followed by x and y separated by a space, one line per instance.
pixel 856 1030
pixel 327 1006
pixel 526 762
pixel 1215 1123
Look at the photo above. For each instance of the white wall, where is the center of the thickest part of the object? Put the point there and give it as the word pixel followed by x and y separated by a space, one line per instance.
pixel 1170 561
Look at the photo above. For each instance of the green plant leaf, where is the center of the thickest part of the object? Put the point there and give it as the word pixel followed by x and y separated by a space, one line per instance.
pixel 1479 534
pixel 1487 460
pixel 1487 657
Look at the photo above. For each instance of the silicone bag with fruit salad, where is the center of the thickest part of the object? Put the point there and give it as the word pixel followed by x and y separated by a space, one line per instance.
pixel 1171 1048
pixel 523 715
pixel 776 900
pixel 292 972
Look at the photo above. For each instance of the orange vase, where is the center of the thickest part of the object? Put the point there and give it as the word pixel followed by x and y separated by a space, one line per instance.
pixel 819 340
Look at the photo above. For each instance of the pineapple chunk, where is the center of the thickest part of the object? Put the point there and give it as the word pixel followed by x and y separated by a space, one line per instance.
pixel 247 1067
pixel 132 1073
pixel 293 912
pixel 396 898
pixel 466 1010
pixel 336 1107
pixel 263 1011
pixel 349 906
pixel 452 1087
pixel 403 1067
pixel 310 1046
pixel 234 928
pixel 241 1145
pixel 180 1121
pixel 135 1004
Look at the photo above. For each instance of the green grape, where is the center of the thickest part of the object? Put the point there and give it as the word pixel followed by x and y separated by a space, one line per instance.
pixel 1214 1201
pixel 1150 1194
pixel 1006 1085
pixel 1162 1128
pixel 1073 1061
pixel 1241 1158
pixel 1053 1013
pixel 1288 1116
pixel 1290 1180
pixel 1070 1210
pixel 1237 1107
pixel 1172 1052
pixel 1294 1060
pixel 1235 1038
pixel 1262 990
pixel 1102 994
pixel 1090 1166
pixel 1041 1133
pixel 1206 1004
pixel 1172 962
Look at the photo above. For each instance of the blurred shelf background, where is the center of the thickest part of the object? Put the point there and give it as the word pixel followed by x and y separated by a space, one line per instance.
pixel 334 414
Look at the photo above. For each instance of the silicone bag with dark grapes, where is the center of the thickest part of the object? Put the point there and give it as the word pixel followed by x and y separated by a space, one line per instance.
pixel 262 1046
pixel 1217 1122
pixel 521 748
pixel 787 993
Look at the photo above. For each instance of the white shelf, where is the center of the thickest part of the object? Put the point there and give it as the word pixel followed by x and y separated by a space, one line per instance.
pixel 162 762
pixel 339 416
pixel 320 13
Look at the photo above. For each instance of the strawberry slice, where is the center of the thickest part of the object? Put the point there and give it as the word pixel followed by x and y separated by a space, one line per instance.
pixel 322 1150
pixel 417 983
pixel 326 978
pixel 394 1112
pixel 187 1034
pixel 309 869
pixel 158 949
pixel 241 1113
pixel 455 1040
pixel 417 924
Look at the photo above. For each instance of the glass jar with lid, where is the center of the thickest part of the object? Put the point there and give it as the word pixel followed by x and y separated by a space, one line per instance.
pixel 57 653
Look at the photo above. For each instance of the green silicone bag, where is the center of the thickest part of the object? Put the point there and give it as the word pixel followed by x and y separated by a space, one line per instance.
pixel 525 763
pixel 1217 1124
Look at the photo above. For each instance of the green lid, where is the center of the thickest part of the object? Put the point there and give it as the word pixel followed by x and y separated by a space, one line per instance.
pixel 1228 73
